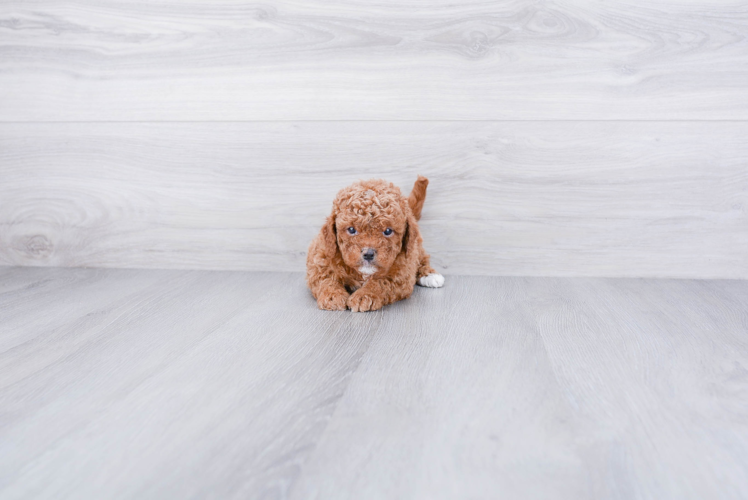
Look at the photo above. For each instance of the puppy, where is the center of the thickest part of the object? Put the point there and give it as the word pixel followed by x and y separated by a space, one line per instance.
pixel 370 252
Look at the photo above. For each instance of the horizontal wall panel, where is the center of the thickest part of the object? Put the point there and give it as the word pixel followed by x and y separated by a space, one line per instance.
pixel 391 60
pixel 560 199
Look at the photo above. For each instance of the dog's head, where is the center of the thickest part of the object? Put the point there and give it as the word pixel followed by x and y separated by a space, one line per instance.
pixel 370 225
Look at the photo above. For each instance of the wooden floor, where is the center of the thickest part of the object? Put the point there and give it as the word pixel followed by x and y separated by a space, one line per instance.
pixel 195 384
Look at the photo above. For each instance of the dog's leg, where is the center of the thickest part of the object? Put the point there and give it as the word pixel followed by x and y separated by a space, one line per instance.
pixel 330 294
pixel 427 275
pixel 378 292
pixel 432 280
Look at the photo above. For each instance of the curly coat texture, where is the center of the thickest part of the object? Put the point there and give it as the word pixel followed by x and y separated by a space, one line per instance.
pixel 369 253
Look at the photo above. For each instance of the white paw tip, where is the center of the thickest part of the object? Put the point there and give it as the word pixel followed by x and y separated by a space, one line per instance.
pixel 433 280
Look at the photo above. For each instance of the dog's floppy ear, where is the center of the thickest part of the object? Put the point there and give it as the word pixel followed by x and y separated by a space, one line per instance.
pixel 330 236
pixel 412 234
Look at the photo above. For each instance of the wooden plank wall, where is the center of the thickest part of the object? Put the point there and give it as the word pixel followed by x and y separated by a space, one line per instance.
pixel 572 138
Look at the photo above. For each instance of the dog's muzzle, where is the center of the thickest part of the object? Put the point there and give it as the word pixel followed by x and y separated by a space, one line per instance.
pixel 368 254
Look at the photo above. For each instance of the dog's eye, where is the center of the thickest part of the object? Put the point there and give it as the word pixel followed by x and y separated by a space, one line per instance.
pixel 351 230
pixel 388 231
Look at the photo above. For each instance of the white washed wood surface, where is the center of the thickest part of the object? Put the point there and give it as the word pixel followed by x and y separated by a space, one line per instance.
pixel 546 389
pixel 188 385
pixel 393 60
pixel 184 384
pixel 530 198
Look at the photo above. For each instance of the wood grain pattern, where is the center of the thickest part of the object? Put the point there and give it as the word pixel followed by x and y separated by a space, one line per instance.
pixel 546 388
pixel 388 60
pixel 538 198
pixel 201 377
pixel 185 384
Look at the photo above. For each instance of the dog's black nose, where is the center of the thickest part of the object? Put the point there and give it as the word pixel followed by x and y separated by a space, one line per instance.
pixel 369 254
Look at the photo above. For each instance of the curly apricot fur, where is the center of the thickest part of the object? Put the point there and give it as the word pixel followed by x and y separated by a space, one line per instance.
pixel 335 260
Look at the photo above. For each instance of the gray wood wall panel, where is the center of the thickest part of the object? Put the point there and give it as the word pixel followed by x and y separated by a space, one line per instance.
pixel 523 198
pixel 387 60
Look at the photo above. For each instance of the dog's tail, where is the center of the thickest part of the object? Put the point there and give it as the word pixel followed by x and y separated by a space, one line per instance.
pixel 418 196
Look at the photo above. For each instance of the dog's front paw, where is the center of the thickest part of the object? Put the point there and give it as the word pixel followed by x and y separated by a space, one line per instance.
pixel 362 301
pixel 332 301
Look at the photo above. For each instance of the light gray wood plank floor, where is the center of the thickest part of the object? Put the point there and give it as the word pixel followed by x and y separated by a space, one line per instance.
pixel 194 384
